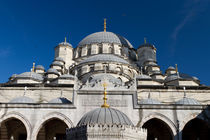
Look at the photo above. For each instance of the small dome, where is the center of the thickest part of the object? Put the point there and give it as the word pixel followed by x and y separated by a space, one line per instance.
pixel 195 78
pixel 65 44
pixel 187 101
pixel 67 76
pixel 143 77
pixel 149 101
pixel 22 99
pixel 178 76
pixel 147 45
pixel 59 59
pixel 104 57
pixel 105 116
pixel 105 37
pixel 57 63
pixel 52 71
pixel 13 76
pixel 172 77
pixel 33 75
pixel 60 100
pixel 156 72
pixel 171 68
pixel 39 67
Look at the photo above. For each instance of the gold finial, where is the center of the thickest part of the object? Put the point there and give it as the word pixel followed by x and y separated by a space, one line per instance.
pixel 176 68
pixel 65 39
pixel 104 25
pixel 33 67
pixel 145 40
pixel 105 98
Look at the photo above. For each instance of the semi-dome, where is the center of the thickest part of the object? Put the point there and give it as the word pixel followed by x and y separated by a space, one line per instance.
pixel 105 37
pixel 102 76
pixel 60 100
pixel 65 44
pixel 149 101
pixel 107 116
pixel 105 58
pixel 187 101
pixel 33 75
pixel 22 99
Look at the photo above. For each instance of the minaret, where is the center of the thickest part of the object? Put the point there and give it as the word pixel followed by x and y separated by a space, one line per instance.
pixel 65 51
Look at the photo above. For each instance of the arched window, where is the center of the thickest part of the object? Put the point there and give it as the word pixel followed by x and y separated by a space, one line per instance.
pixel 120 50
pixel 89 51
pixel 100 50
pixel 79 52
pixel 111 50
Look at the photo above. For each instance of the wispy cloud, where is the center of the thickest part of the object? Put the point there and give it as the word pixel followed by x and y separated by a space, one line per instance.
pixel 191 9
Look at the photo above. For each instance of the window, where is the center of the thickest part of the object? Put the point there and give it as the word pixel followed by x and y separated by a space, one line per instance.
pixel 100 49
pixel 89 51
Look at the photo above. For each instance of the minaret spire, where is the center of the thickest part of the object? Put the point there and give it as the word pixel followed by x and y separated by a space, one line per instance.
pixel 145 40
pixel 65 40
pixel 33 68
pixel 176 68
pixel 105 25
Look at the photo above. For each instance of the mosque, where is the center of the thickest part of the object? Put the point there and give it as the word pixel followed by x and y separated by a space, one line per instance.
pixel 104 89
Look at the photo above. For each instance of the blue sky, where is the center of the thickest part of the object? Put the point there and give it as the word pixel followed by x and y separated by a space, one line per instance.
pixel 180 30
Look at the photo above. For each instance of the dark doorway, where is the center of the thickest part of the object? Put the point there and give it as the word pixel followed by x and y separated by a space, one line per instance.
pixel 13 129
pixel 53 129
pixel 196 129
pixel 158 130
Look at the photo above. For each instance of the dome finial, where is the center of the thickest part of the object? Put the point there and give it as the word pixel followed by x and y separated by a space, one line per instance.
pixel 33 67
pixel 65 40
pixel 176 68
pixel 105 98
pixel 105 93
pixel 145 40
pixel 105 25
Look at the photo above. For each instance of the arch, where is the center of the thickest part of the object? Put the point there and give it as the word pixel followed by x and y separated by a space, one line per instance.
pixel 21 118
pixel 50 116
pixel 196 129
pixel 162 118
pixel 187 118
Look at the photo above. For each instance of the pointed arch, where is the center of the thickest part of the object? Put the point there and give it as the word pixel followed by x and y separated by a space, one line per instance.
pixel 49 116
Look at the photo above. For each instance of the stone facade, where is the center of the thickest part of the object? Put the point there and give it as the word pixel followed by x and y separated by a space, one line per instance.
pixel 43 103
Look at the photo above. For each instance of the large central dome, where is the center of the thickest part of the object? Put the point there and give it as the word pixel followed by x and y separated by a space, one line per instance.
pixel 105 37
